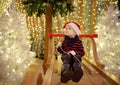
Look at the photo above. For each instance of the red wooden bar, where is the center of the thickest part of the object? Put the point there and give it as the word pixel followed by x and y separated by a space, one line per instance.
pixel 82 35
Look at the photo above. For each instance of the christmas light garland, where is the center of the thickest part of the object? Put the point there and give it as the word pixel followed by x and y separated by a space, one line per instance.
pixel 4 4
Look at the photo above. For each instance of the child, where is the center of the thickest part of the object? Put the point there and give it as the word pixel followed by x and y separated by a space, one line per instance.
pixel 72 50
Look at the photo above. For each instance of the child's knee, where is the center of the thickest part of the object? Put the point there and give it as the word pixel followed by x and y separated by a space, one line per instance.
pixel 66 58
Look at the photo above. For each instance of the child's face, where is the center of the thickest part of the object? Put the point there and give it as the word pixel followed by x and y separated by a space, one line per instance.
pixel 69 31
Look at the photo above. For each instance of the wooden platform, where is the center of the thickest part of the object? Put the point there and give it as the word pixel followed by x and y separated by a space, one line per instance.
pixel 93 79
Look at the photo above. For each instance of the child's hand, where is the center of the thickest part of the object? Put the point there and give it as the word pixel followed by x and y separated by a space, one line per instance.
pixel 72 52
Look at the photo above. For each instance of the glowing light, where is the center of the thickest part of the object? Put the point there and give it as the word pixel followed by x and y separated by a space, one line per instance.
pixel 4 4
pixel 15 54
pixel 108 42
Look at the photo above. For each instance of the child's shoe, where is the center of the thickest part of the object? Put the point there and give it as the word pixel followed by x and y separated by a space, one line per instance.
pixel 77 72
pixel 66 75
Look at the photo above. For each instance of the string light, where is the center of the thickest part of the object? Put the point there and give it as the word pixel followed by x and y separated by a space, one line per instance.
pixel 15 48
pixel 109 41
pixel 4 4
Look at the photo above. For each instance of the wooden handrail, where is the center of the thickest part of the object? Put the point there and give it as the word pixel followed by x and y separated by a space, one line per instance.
pixel 95 55
pixel 99 67
pixel 81 35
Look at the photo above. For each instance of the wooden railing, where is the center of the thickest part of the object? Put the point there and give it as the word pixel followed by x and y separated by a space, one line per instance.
pixel 110 78
pixel 113 80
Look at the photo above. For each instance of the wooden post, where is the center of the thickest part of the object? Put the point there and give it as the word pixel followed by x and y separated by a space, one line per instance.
pixel 47 39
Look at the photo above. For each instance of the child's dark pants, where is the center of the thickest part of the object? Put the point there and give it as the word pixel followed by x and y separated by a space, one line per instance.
pixel 71 69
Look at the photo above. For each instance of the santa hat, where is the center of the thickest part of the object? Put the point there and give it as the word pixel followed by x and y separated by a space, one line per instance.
pixel 75 26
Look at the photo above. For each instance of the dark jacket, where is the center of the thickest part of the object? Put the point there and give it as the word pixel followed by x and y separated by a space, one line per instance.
pixel 70 44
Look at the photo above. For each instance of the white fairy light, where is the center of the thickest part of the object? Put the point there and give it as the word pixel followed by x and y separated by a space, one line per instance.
pixel 108 43
pixel 15 54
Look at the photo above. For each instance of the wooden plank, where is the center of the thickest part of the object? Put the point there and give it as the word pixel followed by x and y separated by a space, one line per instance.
pixel 47 38
pixel 48 75
pixel 33 75
pixel 110 78
pixel 82 35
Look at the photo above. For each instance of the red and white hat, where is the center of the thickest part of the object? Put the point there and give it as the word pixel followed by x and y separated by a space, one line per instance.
pixel 75 26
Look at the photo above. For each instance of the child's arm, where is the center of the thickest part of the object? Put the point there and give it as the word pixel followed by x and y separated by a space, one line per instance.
pixel 58 47
pixel 80 50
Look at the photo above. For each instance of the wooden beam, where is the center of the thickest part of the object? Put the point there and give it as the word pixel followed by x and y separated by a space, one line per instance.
pixel 82 35
pixel 47 38
pixel 95 55
pixel 110 78
pixel 33 75
pixel 86 67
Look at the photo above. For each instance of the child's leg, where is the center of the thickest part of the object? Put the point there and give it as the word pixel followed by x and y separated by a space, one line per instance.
pixel 77 70
pixel 66 72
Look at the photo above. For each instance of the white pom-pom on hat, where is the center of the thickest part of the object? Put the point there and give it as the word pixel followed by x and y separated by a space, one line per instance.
pixel 75 26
